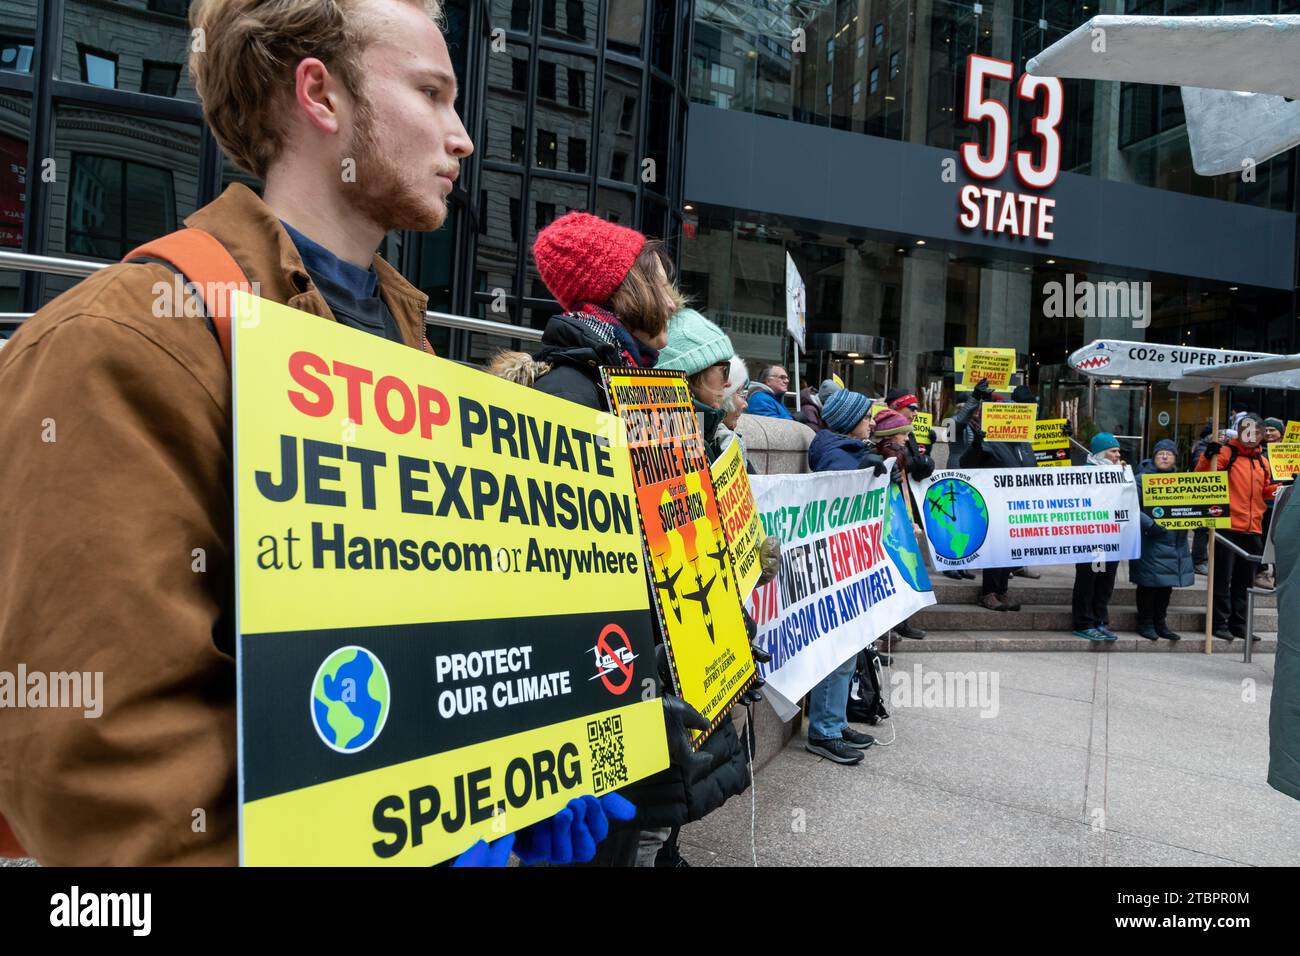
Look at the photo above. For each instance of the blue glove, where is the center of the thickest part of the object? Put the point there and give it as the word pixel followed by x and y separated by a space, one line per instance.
pixel 571 836
pixel 482 853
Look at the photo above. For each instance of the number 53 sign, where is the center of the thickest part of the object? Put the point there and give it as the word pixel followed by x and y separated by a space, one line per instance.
pixel 999 210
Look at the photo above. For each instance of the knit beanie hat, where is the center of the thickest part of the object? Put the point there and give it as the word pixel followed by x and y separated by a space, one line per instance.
pixel 583 258
pixel 1275 423
pixel 898 399
pixel 844 409
pixel 1103 441
pixel 890 422
pixel 694 343
pixel 1164 444
pixel 1022 395
pixel 827 389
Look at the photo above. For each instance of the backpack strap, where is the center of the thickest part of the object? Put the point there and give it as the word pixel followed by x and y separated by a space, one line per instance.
pixel 206 264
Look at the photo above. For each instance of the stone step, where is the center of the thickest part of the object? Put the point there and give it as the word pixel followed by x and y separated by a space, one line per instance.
pixel 1058 617
pixel 1034 592
pixel 971 640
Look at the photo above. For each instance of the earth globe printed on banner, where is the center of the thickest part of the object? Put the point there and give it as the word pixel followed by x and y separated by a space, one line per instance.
pixel 349 699
pixel 956 518
pixel 900 541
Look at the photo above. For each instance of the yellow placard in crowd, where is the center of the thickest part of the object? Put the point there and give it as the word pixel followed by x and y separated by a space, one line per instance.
pixel 921 426
pixel 1284 460
pixel 695 582
pixel 972 364
pixel 1187 499
pixel 739 517
pixel 1051 444
pixel 444 630
pixel 1009 421
pixel 1292 433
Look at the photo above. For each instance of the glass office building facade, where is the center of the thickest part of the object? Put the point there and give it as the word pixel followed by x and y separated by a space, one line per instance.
pixel 845 112
pixel 739 131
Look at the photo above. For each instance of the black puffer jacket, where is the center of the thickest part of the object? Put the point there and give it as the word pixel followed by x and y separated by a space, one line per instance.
pixel 575 355
pixel 568 365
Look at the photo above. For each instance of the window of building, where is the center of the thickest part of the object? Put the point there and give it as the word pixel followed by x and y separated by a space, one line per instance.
pixel 873 79
pixel 577 88
pixel 857 91
pixel 519 11
pixel 627 117
pixel 893 65
pixel 160 79
pixel 878 35
pixel 16 54
pixel 173 8
pixel 545 81
pixel 115 205
pixel 862 47
pixel 97 67
pixel 548 13
pixel 830 50
pixel 577 155
pixel 575 18
pixel 548 147
pixel 618 165
pixel 828 94
pixel 545 215
pixel 516 144
pixel 720 75
pixel 519 76
pixel 482 212
pixel 721 100
pixel 514 215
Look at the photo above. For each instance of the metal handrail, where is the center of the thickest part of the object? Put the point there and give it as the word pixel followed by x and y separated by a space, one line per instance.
pixel 52 265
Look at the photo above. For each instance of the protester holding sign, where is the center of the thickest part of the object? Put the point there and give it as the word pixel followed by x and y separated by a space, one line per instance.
pixel 981 454
pixel 1094 580
pixel 137 483
pixel 1166 562
pixel 701 350
pixel 1250 488
pixel 617 289
pixel 841 446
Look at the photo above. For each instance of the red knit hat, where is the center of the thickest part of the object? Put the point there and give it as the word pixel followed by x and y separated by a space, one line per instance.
pixel 583 258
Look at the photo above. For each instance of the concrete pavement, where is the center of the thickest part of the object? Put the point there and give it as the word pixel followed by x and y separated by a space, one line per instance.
pixel 1091 759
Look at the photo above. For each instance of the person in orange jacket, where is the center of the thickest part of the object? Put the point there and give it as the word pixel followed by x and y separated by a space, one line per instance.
pixel 1250 488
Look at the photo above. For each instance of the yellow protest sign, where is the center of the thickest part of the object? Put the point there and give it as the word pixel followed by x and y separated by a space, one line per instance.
pixel 739 517
pixel 1292 433
pixel 1183 499
pixel 1009 421
pixel 921 426
pixel 696 584
pixel 1051 444
pixel 1284 460
pixel 972 364
pixel 444 631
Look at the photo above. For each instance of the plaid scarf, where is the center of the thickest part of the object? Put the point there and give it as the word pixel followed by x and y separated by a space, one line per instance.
pixel 606 326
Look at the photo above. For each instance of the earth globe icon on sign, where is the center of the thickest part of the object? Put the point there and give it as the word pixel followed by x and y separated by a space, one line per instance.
pixel 956 518
pixel 350 699
pixel 901 544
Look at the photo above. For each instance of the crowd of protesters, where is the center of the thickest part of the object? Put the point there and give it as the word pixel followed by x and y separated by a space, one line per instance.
pixel 373 83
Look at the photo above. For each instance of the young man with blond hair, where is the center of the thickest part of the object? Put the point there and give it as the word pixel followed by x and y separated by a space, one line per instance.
pixel 116 424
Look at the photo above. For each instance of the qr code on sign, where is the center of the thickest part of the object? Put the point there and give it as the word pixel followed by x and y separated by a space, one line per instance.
pixel 608 759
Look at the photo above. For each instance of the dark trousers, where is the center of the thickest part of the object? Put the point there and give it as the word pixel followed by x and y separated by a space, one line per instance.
pixel 1200 545
pixel 1153 605
pixel 1092 591
pixel 1232 576
pixel 996 580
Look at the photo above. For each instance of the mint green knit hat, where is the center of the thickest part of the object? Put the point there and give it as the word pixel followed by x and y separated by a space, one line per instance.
pixel 694 343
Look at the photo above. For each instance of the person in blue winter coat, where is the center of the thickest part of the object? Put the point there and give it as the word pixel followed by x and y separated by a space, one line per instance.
pixel 1166 561
pixel 766 396
pixel 843 445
